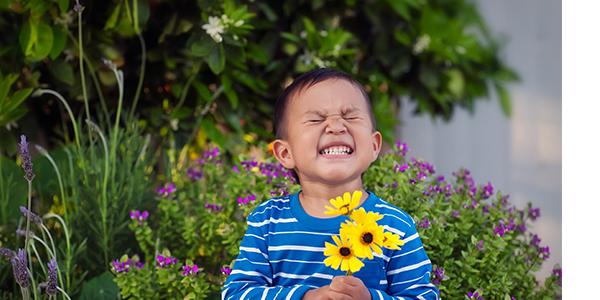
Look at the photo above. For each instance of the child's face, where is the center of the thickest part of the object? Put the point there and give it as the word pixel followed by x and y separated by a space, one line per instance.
pixel 329 137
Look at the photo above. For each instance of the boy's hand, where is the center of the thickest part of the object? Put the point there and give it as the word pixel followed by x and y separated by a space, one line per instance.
pixel 351 286
pixel 325 293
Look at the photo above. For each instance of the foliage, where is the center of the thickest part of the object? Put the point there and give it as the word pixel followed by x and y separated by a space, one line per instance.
pixel 216 67
pixel 477 241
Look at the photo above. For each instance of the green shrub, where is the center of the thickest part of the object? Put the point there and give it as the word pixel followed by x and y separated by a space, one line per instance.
pixel 477 241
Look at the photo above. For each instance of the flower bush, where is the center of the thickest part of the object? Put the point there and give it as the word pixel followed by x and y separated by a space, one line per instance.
pixel 478 242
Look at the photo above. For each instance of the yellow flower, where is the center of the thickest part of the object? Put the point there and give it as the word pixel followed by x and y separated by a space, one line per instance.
pixel 341 254
pixel 365 238
pixel 392 241
pixel 344 205
pixel 361 216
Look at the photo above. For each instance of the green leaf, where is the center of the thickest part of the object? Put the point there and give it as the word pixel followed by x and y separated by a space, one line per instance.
pixel 36 40
pixel 456 82
pixel 63 5
pixel 114 17
pixel 400 7
pixel 216 59
pixel 63 71
pixel 229 91
pixel 504 98
pixel 60 40
pixel 18 97
pixel 99 288
pixel 5 85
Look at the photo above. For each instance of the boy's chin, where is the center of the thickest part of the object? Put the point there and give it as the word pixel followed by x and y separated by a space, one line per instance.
pixel 337 176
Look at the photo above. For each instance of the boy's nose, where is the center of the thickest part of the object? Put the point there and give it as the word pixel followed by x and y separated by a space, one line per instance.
pixel 335 126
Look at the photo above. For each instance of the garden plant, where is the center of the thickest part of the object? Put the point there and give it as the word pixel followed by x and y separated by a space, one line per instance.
pixel 143 192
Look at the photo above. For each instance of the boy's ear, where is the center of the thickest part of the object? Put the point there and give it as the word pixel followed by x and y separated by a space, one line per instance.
pixel 283 153
pixel 376 139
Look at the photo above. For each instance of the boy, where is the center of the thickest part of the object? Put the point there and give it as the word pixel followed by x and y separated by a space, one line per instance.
pixel 326 133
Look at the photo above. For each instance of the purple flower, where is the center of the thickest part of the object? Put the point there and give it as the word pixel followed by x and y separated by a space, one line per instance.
pixel 535 240
pixel 164 261
pixel 7 253
pixel 402 148
pixel 485 209
pixel 211 154
pixel 167 190
pixel 487 191
pixel 121 267
pixel 136 215
pixel 20 270
pixel 189 270
pixel 30 215
pixel 455 213
pixel 557 271
pixel 26 159
pixel 480 245
pixel 448 190
pixel 78 8
pixel 51 287
pixel 235 169
pixel 424 223
pixel 474 295
pixel 544 252
pixel 249 164
pixel 194 174
pixel 500 229
pixel 246 200
pixel 534 213
pixel 213 207
pixel 225 270
pixel 438 275
pixel 401 168
pixel 423 166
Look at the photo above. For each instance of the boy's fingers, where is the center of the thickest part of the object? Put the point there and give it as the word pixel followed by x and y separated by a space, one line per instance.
pixel 347 280
pixel 333 295
pixel 353 281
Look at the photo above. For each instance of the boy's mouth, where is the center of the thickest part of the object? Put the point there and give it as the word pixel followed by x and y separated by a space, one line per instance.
pixel 336 151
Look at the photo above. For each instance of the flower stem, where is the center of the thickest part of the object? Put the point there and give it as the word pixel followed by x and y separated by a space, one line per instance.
pixel 27 232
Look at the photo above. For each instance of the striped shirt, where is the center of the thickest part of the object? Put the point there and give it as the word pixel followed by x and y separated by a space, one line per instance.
pixel 281 255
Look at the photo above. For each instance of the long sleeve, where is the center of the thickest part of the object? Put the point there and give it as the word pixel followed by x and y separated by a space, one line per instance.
pixel 408 271
pixel 252 276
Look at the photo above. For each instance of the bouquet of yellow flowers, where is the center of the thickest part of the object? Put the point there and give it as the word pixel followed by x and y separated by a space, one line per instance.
pixel 359 236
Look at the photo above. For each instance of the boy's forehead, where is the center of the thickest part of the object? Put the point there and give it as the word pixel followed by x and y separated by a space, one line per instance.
pixel 329 96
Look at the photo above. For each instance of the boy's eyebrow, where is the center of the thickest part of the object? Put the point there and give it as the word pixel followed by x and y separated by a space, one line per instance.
pixel 344 111
pixel 315 112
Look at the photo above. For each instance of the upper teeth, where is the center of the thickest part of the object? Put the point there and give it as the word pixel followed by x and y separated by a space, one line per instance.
pixel 336 150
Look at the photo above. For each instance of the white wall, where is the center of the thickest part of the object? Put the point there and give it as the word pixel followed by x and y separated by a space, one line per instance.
pixel 522 155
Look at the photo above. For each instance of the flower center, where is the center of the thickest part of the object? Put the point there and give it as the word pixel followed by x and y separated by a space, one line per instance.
pixel 345 251
pixel 367 238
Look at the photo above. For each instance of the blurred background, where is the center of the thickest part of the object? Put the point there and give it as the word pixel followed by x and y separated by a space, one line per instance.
pixel 520 155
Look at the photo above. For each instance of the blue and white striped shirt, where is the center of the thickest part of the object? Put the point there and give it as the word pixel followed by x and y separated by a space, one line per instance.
pixel 281 255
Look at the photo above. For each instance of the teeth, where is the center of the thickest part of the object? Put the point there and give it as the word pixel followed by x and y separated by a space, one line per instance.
pixel 336 150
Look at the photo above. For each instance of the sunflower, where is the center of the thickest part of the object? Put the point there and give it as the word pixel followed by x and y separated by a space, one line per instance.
pixel 344 205
pixel 341 254
pixel 392 241
pixel 361 216
pixel 365 238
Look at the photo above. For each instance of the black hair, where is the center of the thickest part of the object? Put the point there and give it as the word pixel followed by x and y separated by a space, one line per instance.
pixel 305 81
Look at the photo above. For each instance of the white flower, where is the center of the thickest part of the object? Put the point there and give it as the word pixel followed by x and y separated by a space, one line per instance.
pixel 214 28
pixel 421 44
